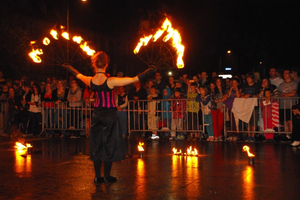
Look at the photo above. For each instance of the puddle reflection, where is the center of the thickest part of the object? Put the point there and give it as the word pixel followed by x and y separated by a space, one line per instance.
pixel 248 184
pixel 22 163
pixel 140 178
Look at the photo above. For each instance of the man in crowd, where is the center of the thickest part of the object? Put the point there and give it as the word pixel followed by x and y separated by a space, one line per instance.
pixel 286 89
pixel 160 84
pixel 275 80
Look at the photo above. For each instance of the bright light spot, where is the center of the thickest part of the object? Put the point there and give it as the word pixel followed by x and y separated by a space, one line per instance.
pixel 229 51
pixel 170 73
pixel 224 76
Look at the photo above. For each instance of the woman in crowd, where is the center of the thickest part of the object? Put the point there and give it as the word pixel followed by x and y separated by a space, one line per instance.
pixel 106 143
pixel 218 109
pixel 61 106
pixel 35 110
pixel 12 109
pixel 48 98
pixel 233 92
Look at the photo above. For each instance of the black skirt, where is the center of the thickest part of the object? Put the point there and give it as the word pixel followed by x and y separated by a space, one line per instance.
pixel 106 142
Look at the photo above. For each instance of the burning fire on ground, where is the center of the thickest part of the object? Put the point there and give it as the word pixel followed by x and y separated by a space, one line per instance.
pixel 189 152
pixel 140 146
pixel 22 148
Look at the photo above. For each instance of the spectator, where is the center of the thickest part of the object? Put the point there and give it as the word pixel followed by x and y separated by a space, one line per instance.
pixel 205 101
pixel 251 89
pixel 166 113
pixel 150 83
pixel 266 84
pixel 153 106
pixel 266 105
pixel 178 84
pixel 217 111
pixel 178 108
pixel 4 94
pixel 286 89
pixel 171 84
pixel 89 99
pixel 134 95
pixel 295 74
pixel 12 110
pixel 160 84
pixel 60 117
pixel 48 99
pixel 122 106
pixel 296 126
pixel 214 75
pixel 204 79
pixel 234 92
pixel 23 108
pixel 192 110
pixel 74 98
pixel 35 110
pixel 275 80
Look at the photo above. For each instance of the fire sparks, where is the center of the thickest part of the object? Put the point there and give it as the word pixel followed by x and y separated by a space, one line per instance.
pixel 171 34
pixel 189 152
pixel 140 146
pixel 77 39
pixel 65 35
pixel 34 54
pixel 54 34
pixel 246 148
pixel 46 41
pixel 87 49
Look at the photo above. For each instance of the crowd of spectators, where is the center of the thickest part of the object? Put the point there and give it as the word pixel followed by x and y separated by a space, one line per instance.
pixel 199 98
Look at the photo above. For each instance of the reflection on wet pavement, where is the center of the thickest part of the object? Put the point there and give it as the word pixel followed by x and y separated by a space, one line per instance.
pixel 61 169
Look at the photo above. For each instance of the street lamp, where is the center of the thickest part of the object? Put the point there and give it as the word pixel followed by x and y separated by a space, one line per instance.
pixel 220 60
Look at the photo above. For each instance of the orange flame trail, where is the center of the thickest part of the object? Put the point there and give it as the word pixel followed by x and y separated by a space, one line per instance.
pixel 87 49
pixel 171 34
pixel 54 34
pixel 46 41
pixel 34 54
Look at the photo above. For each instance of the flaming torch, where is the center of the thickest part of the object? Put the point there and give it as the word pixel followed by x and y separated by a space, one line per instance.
pixel 250 155
pixel 141 149
pixel 23 149
pixel 34 55
pixel 171 34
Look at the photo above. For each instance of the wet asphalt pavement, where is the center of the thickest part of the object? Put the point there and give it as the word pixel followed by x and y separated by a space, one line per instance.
pixel 61 169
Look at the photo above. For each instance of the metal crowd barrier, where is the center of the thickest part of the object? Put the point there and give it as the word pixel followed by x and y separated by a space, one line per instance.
pixel 156 116
pixel 62 116
pixel 274 117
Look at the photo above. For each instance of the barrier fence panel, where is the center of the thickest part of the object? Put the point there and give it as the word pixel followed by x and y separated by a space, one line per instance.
pixel 258 116
pixel 162 115
pixel 66 116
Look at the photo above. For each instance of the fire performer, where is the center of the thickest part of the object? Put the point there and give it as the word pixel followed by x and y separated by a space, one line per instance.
pixel 106 143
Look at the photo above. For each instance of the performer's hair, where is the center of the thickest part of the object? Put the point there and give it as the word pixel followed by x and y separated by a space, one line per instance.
pixel 100 60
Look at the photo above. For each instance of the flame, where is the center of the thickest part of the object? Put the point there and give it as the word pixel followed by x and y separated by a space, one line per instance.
pixel 46 41
pixel 32 42
pixel 34 55
pixel 87 49
pixel 246 148
pixel 143 42
pixel 54 34
pixel 65 35
pixel 22 149
pixel 171 33
pixel 62 27
pixel 189 152
pixel 140 146
pixel 77 39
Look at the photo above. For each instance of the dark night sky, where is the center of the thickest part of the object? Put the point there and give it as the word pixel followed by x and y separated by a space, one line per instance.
pixel 255 31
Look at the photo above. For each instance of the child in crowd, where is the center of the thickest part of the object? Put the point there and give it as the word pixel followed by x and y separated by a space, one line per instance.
pixel 166 113
pixel 152 111
pixel 178 107
pixel 192 110
pixel 266 105
pixel 205 101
